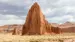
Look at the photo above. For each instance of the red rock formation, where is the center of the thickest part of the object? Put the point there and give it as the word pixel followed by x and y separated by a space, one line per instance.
pixel 17 29
pixel 68 27
pixel 35 22
pixel 14 31
pixel 55 28
pixel 10 28
pixel 63 28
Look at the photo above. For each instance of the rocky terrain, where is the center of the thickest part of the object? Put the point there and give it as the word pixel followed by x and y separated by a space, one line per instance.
pixel 67 27
pixel 10 28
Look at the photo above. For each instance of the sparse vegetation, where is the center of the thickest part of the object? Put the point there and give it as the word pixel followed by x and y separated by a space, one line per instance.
pixel 37 38
pixel 61 40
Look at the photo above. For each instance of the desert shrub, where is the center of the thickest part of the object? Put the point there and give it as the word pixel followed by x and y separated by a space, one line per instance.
pixel 35 41
pixel 61 40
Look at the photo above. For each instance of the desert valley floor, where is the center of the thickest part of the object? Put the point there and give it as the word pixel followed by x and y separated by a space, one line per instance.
pixel 66 37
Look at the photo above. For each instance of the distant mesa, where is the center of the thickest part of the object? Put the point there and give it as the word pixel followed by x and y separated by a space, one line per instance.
pixel 10 28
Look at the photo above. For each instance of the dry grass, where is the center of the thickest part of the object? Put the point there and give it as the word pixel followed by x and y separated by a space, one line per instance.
pixel 36 38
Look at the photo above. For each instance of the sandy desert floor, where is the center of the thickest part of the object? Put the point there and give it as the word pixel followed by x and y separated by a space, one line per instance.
pixel 66 37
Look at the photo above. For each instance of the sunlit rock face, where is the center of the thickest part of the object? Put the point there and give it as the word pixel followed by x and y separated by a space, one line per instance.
pixel 35 22
pixel 68 27
pixel 55 28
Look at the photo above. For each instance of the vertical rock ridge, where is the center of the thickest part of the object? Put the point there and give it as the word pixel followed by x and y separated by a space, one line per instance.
pixel 35 22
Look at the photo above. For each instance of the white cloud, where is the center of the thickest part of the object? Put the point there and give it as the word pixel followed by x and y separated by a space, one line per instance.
pixel 10 19
pixel 47 11
pixel 62 19
pixel 14 2
pixel 4 0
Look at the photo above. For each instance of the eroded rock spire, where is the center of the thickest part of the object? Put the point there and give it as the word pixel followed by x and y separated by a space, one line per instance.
pixel 35 22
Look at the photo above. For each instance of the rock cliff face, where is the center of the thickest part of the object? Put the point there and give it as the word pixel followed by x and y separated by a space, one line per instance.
pixel 14 31
pixel 55 28
pixel 35 22
pixel 68 27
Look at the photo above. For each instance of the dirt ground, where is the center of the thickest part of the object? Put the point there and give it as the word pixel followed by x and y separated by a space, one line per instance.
pixel 66 37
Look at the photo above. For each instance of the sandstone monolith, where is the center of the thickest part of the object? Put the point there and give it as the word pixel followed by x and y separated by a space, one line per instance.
pixel 35 22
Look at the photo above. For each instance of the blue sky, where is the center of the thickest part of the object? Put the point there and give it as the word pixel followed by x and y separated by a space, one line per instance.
pixel 55 11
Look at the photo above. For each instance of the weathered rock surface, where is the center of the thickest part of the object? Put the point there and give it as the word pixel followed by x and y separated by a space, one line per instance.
pixel 68 27
pixel 35 22
pixel 63 28
pixel 10 28
pixel 55 28
pixel 16 31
